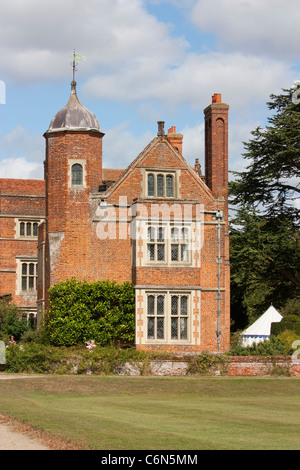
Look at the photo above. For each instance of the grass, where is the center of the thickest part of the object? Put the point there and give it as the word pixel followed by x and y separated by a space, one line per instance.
pixel 152 413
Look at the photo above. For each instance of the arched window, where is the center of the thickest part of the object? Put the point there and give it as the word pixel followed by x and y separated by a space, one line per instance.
pixel 169 186
pixel 151 185
pixel 160 186
pixel 77 174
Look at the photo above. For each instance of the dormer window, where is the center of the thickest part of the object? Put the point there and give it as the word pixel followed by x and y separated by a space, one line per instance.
pixel 161 184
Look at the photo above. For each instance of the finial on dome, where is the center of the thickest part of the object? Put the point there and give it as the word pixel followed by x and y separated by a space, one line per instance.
pixel 73 87
pixel 76 57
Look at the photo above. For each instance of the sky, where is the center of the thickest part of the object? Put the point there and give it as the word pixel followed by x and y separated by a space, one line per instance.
pixel 146 61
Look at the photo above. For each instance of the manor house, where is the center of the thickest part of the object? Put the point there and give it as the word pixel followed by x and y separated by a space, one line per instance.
pixel 160 224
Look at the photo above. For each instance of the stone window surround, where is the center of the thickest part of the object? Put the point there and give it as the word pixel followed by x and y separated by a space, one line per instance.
pixel 74 161
pixel 175 173
pixel 167 293
pixel 20 260
pixel 27 219
pixel 167 262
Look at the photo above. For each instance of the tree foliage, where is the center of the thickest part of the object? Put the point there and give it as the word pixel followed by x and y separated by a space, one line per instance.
pixel 81 311
pixel 265 260
pixel 264 234
pixel 272 179
pixel 12 322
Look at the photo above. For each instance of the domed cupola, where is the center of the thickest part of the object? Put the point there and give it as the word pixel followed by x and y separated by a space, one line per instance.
pixel 74 116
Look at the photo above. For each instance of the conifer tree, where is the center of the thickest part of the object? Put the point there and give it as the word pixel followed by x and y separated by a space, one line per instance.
pixel 265 232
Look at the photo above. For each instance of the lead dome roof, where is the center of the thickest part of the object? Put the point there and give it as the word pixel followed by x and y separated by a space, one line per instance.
pixel 74 116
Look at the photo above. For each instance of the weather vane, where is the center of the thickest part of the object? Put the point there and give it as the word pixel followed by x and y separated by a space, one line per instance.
pixel 76 58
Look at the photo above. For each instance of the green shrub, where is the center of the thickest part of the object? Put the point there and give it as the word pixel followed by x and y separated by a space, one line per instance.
pixel 207 363
pixel 289 322
pixel 11 321
pixel 81 311
pixel 36 358
pixel 271 347
pixel 288 337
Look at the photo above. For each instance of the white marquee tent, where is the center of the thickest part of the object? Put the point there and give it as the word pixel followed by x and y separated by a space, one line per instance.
pixel 261 329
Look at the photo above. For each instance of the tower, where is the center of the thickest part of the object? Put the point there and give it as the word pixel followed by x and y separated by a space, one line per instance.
pixel 73 171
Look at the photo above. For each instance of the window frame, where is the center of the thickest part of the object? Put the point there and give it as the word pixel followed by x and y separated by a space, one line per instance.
pixel 184 245
pixel 167 318
pixel 27 277
pixel 161 189
pixel 76 176
pixel 72 162
pixel 27 229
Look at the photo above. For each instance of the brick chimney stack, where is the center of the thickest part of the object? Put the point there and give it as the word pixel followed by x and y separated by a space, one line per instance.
pixel 175 139
pixel 216 147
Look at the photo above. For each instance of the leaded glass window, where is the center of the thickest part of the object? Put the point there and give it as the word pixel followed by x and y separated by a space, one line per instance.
pixel 28 276
pixel 156 244
pixel 179 317
pixel 179 244
pixel 168 316
pixel 151 190
pixel 156 317
pixel 28 229
pixel 77 174
pixel 169 186
pixel 160 186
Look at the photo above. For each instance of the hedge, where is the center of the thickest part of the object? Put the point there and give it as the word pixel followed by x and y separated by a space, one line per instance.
pixel 80 311
pixel 289 322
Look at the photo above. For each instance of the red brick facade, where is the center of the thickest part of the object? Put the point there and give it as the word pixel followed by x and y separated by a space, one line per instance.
pixel 22 208
pixel 158 224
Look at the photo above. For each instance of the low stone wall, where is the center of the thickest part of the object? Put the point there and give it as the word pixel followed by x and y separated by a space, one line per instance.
pixel 260 365
pixel 234 366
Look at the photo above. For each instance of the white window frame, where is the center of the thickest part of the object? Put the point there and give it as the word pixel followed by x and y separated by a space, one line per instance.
pixel 31 278
pixel 169 242
pixel 159 321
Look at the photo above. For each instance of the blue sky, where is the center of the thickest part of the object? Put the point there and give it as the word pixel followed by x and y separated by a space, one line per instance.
pixel 146 60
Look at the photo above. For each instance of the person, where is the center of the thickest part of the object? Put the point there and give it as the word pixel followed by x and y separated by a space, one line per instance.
pixel 91 345
pixel 12 340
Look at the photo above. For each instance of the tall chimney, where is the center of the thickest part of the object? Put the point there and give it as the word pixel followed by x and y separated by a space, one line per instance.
pixel 216 147
pixel 161 128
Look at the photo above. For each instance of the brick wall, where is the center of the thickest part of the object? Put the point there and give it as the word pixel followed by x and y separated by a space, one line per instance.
pixel 25 200
pixel 73 247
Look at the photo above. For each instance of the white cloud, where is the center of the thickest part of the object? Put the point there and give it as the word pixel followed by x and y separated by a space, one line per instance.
pixel 21 168
pixel 260 27
pixel 242 80
pixel 20 143
pixel 39 36
pixel 22 154
pixel 121 147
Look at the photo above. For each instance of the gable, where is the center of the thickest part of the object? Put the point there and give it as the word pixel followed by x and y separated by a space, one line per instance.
pixel 160 156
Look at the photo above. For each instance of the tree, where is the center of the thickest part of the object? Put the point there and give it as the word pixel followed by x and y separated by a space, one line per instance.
pixel 11 321
pixel 272 180
pixel 265 260
pixel 264 234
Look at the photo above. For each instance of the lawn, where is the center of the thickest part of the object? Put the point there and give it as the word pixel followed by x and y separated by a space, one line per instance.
pixel 153 413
